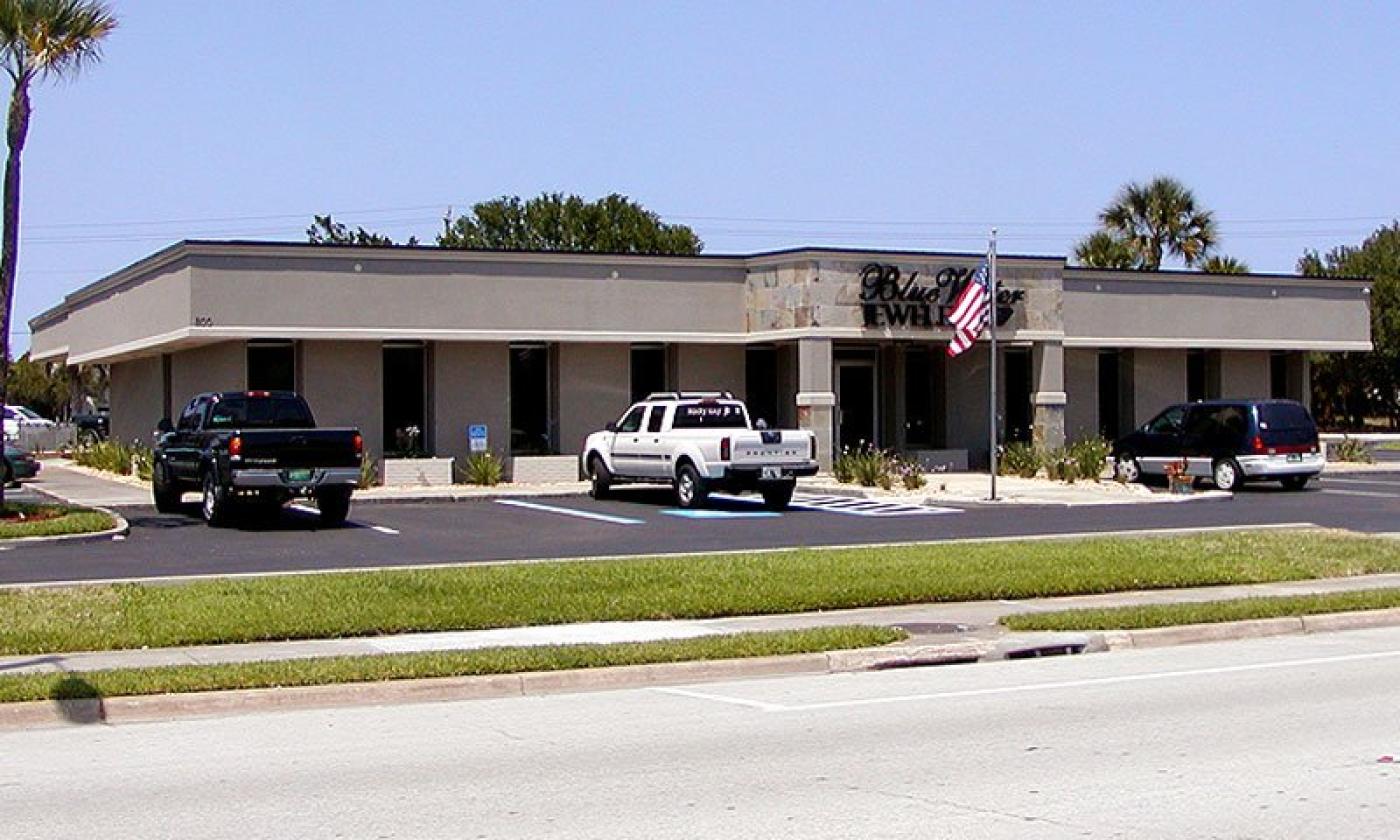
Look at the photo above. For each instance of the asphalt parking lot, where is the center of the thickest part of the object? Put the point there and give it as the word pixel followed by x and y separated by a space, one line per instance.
pixel 646 521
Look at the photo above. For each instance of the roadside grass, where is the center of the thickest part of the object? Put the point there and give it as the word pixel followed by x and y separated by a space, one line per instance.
pixel 346 669
pixel 52 520
pixel 1389 445
pixel 116 616
pixel 1208 612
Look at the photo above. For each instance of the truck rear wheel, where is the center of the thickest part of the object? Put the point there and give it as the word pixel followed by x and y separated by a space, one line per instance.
pixel 215 505
pixel 167 498
pixel 778 496
pixel 691 491
pixel 335 506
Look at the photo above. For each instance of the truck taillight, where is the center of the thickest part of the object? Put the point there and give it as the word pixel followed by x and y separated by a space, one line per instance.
pixel 724 449
pixel 359 444
pixel 235 446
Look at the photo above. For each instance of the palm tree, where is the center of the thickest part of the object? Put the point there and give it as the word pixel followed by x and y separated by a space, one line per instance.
pixel 39 39
pixel 1158 219
pixel 1102 249
pixel 1221 264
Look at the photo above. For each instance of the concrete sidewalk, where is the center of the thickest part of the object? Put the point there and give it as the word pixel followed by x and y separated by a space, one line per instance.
pixel 75 485
pixel 930 624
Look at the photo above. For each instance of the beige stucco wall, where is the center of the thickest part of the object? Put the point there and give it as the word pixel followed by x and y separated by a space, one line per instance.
pixel 471 385
pixel 134 312
pixel 535 296
pixel 216 367
pixel 1082 391
pixel 711 367
pixel 1129 308
pixel 594 387
pixel 1244 373
pixel 343 382
pixel 1158 380
pixel 137 399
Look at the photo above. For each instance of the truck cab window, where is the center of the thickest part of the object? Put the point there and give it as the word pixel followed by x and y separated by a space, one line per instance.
pixel 633 421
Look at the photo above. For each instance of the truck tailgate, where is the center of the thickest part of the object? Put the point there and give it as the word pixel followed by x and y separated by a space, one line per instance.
pixel 299 448
pixel 771 448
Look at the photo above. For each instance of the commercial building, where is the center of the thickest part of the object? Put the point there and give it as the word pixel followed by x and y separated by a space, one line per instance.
pixel 543 348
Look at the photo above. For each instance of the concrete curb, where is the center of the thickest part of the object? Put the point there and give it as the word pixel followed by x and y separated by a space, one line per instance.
pixel 120 528
pixel 138 709
pixel 1189 634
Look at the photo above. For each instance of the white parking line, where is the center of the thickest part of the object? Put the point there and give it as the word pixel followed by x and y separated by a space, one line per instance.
pixel 582 514
pixel 384 530
pixel 1360 493
pixel 1395 484
pixel 1032 687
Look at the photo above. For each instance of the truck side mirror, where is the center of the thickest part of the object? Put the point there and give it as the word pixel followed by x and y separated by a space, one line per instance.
pixel 760 423
pixel 164 426
pixel 611 426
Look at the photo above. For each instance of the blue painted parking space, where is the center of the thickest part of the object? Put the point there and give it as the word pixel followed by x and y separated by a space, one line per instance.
pixel 711 513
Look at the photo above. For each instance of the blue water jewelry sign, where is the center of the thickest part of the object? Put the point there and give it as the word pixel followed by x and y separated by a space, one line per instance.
pixel 888 299
pixel 476 437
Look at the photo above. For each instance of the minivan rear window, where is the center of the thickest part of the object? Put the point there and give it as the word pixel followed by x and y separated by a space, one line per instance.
pixel 714 415
pixel 1280 417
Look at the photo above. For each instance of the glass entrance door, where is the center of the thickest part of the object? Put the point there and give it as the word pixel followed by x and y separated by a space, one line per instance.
pixel 856 416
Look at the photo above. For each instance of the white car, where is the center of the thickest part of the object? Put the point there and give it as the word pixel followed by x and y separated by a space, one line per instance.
pixel 698 442
pixel 18 415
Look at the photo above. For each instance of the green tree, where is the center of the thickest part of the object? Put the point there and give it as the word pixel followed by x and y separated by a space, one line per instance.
pixel 1221 264
pixel 326 231
pixel 1159 219
pixel 1347 387
pixel 39 387
pixel 555 222
pixel 1102 249
pixel 39 39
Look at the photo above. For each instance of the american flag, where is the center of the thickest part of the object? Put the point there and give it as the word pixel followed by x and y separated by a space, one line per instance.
pixel 970 311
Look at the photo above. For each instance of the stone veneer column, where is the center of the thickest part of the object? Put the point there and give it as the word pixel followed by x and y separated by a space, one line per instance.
pixel 1048 396
pixel 816 398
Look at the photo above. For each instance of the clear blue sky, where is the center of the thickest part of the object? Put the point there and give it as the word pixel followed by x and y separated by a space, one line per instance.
pixel 762 125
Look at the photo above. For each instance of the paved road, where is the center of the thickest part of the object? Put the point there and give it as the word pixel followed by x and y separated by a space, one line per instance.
pixel 643 521
pixel 1271 738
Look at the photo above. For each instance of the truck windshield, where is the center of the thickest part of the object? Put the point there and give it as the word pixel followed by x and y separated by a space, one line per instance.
pixel 260 413
pixel 710 415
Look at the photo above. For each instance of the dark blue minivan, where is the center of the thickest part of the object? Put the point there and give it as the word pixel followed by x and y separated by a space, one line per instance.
pixel 1227 441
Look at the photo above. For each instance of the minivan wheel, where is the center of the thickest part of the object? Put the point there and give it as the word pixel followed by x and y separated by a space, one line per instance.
pixel 690 487
pixel 1227 474
pixel 1127 469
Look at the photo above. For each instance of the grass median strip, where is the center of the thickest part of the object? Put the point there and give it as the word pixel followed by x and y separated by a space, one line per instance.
pixel 107 617
pixel 346 669
pixel 1207 612
pixel 30 520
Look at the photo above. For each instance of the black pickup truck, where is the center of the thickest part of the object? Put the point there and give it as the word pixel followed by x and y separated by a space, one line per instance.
pixel 254 447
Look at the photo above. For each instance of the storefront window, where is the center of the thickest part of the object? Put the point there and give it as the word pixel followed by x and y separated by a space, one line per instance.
pixel 272 366
pixel 530 405
pixel 918 397
pixel 1278 375
pixel 648 370
pixel 405 399
pixel 1109 394
pixel 1018 394
pixel 761 382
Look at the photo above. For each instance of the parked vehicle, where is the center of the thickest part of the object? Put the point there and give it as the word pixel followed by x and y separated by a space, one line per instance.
pixel 698 443
pixel 93 426
pixel 1228 441
pixel 17 416
pixel 254 447
pixel 19 464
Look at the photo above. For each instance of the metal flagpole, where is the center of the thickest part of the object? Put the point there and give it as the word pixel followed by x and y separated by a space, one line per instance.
pixel 992 331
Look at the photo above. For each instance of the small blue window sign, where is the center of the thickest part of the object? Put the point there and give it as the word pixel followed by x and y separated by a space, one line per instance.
pixel 476 437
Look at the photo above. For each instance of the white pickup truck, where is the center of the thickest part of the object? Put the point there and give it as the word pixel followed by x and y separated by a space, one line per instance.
pixel 698 442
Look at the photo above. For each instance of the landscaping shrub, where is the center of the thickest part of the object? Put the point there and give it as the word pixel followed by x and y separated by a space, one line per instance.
pixel 843 468
pixel 1020 459
pixel 1089 456
pixel 910 473
pixel 115 457
pixel 870 466
pixel 1351 449
pixel 1060 465
pixel 483 468
pixel 369 472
